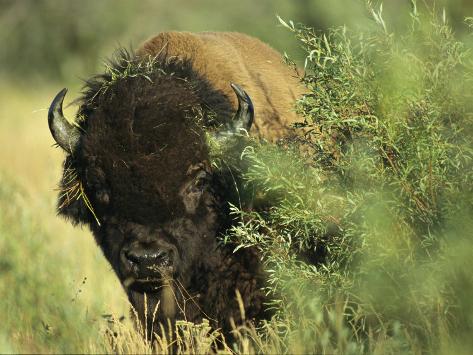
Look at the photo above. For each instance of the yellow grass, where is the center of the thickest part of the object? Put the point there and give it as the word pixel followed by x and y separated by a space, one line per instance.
pixel 28 160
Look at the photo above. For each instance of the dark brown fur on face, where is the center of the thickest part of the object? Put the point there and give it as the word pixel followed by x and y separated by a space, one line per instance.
pixel 143 162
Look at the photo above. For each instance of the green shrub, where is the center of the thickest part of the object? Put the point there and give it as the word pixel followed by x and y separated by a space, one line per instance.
pixel 368 238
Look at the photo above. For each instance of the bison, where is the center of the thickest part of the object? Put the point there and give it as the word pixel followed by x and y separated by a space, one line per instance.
pixel 138 171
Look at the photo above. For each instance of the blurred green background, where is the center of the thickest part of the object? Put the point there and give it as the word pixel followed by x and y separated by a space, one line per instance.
pixel 54 283
pixel 60 40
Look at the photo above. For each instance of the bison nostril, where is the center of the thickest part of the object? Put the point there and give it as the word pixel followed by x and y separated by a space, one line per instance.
pixel 132 257
pixel 145 259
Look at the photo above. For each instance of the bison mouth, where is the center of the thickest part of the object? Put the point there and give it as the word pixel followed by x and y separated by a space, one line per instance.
pixel 156 277
pixel 148 285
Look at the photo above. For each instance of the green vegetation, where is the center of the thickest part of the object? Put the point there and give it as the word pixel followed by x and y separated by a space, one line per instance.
pixel 368 236
pixel 55 285
pixel 60 41
pixel 380 197
pixel 43 320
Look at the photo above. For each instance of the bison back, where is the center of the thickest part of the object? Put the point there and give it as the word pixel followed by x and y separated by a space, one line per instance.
pixel 224 57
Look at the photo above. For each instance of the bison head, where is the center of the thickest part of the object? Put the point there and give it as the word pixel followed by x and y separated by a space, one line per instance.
pixel 138 173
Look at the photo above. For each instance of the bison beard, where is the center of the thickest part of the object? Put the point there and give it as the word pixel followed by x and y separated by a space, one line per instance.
pixel 140 161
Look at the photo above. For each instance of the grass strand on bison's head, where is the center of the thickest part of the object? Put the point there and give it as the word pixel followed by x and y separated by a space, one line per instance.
pixel 73 189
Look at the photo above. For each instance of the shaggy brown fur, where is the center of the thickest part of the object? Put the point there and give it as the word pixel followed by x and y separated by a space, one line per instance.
pixel 143 162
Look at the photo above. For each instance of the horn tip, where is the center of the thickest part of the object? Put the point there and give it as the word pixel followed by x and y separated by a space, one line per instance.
pixel 241 94
pixel 237 88
pixel 56 104
pixel 61 93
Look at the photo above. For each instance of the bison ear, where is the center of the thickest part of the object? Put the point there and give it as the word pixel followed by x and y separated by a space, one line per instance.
pixel 243 118
pixel 66 135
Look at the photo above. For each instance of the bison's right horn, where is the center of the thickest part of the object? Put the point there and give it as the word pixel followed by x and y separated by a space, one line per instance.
pixel 66 135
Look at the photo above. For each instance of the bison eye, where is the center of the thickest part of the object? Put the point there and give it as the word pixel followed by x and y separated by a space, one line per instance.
pixel 201 179
pixel 200 183
pixel 196 188
pixel 193 191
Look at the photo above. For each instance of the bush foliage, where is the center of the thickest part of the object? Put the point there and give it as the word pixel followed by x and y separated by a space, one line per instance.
pixel 369 230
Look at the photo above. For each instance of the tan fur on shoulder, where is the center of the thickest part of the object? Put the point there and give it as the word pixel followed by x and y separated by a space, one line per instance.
pixel 224 57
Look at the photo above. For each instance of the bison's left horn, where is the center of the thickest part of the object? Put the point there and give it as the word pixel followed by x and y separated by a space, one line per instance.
pixel 244 117
pixel 65 134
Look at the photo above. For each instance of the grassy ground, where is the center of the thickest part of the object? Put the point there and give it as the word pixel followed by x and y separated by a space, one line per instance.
pixel 54 282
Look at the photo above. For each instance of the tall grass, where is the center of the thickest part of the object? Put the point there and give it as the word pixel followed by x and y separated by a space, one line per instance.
pixel 54 283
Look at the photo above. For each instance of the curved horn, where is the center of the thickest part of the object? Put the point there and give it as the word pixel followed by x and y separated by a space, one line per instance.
pixel 243 118
pixel 65 134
